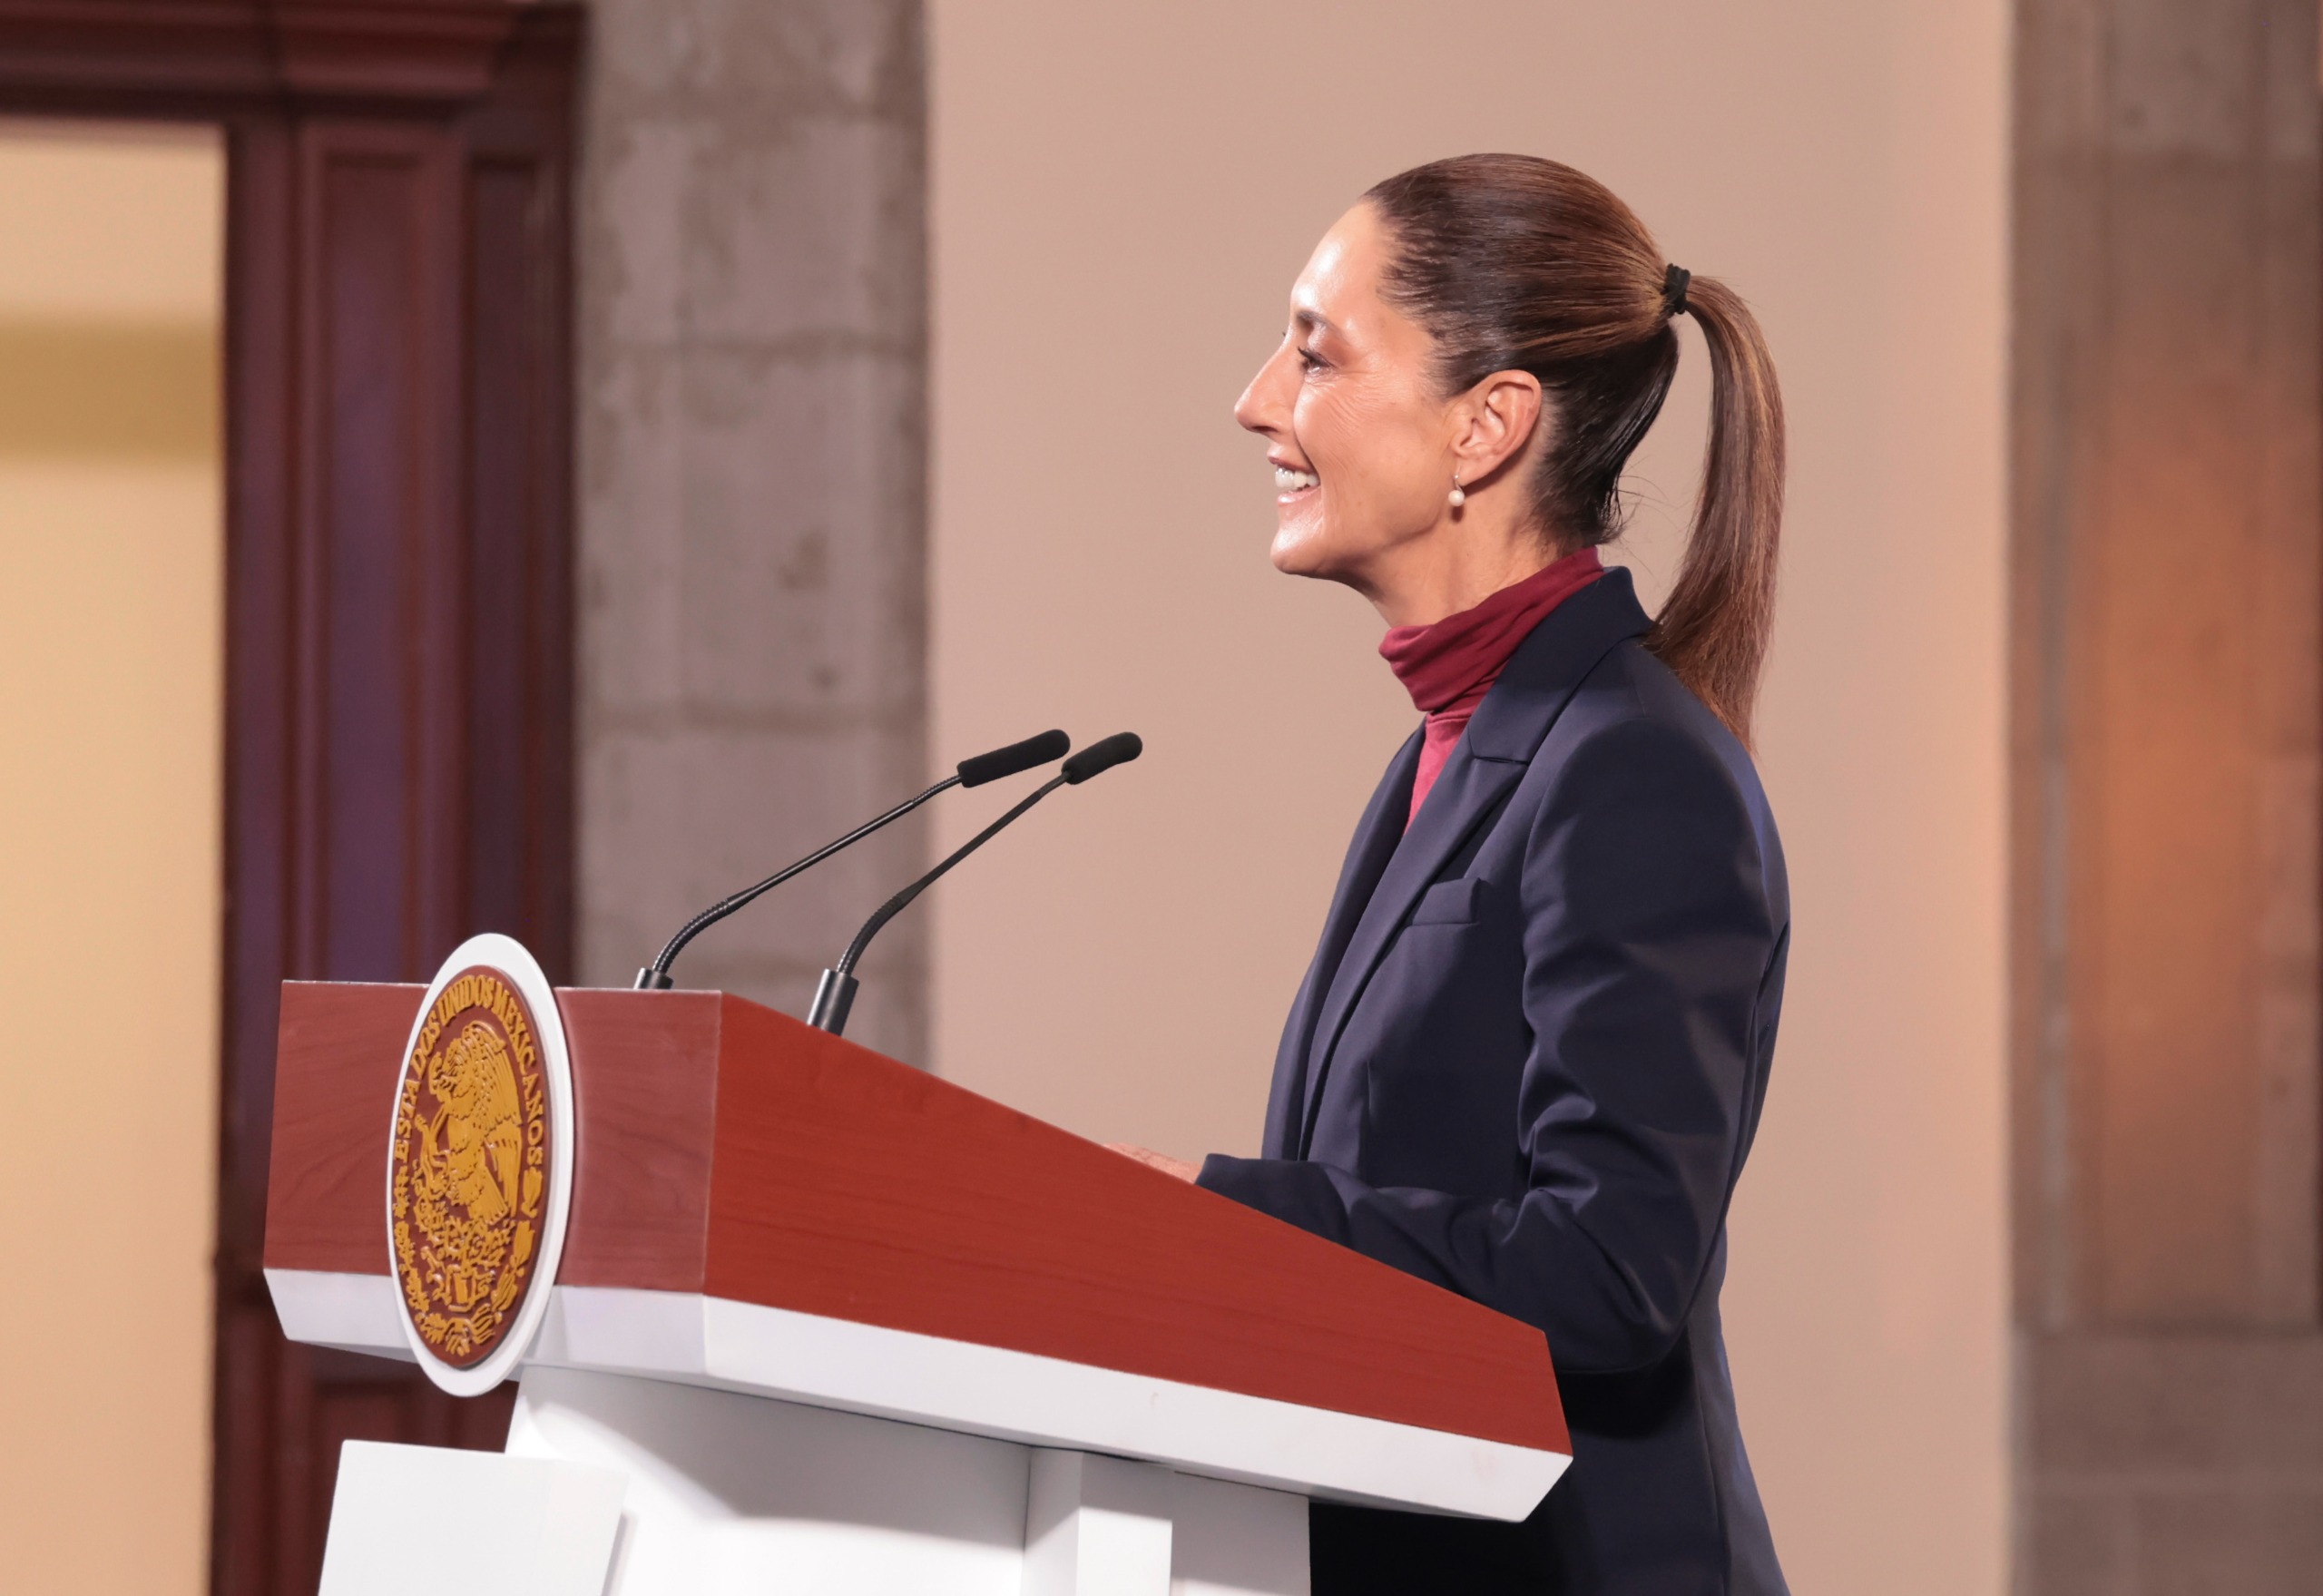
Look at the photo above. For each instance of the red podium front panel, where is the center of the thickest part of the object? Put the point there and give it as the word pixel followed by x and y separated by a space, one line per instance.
pixel 760 1206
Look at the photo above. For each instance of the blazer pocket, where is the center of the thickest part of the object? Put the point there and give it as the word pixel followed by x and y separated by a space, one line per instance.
pixel 1450 902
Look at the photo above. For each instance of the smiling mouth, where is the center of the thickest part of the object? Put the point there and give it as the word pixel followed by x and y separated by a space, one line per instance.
pixel 1288 481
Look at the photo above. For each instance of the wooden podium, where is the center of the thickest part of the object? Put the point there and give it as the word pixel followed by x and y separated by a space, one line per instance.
pixel 824 1323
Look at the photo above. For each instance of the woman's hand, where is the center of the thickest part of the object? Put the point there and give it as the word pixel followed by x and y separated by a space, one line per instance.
pixel 1178 1168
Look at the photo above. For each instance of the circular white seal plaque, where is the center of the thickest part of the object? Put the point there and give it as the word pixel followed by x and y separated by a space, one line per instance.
pixel 480 1165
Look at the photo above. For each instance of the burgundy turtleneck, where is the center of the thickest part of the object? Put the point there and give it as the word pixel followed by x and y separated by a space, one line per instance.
pixel 1447 667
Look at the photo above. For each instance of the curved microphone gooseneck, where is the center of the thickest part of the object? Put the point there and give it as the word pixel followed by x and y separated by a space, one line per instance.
pixel 835 994
pixel 969 772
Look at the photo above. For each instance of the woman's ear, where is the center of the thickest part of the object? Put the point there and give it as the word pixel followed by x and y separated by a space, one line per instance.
pixel 1497 419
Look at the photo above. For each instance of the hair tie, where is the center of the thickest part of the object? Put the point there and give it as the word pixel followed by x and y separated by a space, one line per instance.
pixel 1674 289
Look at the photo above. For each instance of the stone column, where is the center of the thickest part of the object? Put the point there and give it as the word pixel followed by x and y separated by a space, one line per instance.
pixel 753 463
pixel 2168 656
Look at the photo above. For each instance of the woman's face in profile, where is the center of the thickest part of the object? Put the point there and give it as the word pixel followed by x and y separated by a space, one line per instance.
pixel 1359 439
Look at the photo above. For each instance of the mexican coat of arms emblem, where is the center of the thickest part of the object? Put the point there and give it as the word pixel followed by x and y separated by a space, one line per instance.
pixel 468 1172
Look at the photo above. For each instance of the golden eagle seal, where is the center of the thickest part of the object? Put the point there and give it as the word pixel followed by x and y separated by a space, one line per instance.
pixel 469 1164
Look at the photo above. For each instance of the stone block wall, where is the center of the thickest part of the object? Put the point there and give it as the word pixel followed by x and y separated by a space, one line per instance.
pixel 752 468
pixel 2168 679
pixel 2176 1463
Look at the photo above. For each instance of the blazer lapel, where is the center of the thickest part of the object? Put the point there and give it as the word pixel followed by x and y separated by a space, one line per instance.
pixel 1486 764
pixel 1376 836
pixel 1464 792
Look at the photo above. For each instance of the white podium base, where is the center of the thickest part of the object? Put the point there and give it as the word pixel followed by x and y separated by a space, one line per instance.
pixel 729 1494
pixel 405 1517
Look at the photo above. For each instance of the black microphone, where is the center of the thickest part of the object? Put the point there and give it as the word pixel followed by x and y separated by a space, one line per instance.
pixel 836 993
pixel 970 772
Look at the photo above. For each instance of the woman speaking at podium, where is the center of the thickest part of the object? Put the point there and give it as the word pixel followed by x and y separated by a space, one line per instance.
pixel 1528 1059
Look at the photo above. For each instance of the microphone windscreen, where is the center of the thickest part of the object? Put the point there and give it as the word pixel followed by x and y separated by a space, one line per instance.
pixel 1102 755
pixel 1015 757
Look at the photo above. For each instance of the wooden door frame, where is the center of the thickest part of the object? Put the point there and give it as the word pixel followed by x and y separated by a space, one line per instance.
pixel 399 759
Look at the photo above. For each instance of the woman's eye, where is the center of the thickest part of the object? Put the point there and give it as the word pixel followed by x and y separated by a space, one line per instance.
pixel 1310 361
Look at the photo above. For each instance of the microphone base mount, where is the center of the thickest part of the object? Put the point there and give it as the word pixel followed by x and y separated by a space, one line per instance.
pixel 834 996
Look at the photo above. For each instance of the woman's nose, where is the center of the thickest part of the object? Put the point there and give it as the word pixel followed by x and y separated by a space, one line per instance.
pixel 1261 409
pixel 1246 409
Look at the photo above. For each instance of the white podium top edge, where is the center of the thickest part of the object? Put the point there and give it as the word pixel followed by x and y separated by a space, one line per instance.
pixel 948 1384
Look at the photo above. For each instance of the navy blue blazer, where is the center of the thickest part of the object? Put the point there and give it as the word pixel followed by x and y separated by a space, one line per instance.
pixel 1526 1064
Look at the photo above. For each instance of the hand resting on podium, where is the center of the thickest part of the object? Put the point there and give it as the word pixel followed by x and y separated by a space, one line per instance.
pixel 1160 1161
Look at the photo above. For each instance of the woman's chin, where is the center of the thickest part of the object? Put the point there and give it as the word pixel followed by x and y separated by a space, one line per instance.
pixel 1299 549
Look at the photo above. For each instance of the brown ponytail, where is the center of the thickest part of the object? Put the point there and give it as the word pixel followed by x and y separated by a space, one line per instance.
pixel 1516 263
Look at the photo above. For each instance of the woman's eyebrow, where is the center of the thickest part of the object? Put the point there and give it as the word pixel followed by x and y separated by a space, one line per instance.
pixel 1312 322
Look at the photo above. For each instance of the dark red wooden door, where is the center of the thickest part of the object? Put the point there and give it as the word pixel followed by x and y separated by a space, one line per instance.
pixel 400 725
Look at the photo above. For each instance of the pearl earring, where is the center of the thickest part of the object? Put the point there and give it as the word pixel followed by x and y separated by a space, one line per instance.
pixel 1459 495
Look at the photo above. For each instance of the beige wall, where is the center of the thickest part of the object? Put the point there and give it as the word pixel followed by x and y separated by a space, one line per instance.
pixel 1121 197
pixel 109 565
